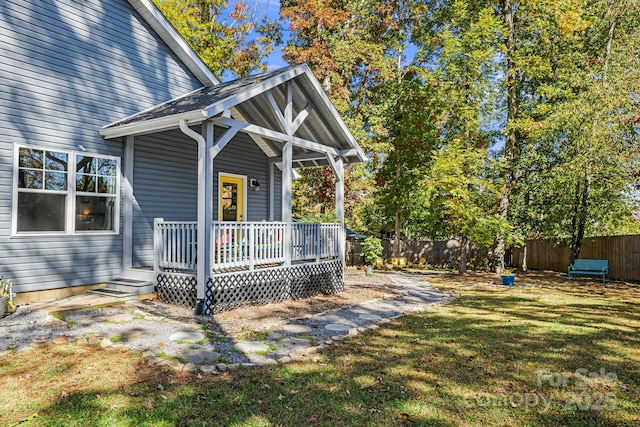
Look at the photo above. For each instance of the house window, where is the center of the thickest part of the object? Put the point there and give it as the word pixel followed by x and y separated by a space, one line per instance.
pixel 51 185
pixel 96 180
pixel 42 190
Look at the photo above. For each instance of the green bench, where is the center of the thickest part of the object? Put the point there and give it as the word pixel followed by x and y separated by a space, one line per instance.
pixel 591 267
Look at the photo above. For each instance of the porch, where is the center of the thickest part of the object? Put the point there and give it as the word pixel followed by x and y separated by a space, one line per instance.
pixel 241 246
pixel 249 262
pixel 225 156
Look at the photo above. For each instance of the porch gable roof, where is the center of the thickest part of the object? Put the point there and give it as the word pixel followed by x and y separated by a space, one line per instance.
pixel 317 127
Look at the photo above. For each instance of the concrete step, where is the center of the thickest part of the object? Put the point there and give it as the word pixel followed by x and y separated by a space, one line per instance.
pixel 131 285
pixel 125 289
pixel 113 293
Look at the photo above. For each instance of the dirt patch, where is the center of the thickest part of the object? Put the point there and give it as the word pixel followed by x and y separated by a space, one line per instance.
pixel 358 289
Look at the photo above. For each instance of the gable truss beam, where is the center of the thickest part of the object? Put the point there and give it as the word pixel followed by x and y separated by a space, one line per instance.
pixel 302 115
pixel 261 143
pixel 334 167
pixel 276 136
pixel 320 122
pixel 276 111
pixel 295 124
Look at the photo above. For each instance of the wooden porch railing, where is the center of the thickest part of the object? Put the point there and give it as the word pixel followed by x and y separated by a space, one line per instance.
pixel 247 244
pixel 313 241
pixel 243 245
pixel 175 244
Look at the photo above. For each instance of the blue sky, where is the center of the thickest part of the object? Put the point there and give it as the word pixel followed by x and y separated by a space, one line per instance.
pixel 271 9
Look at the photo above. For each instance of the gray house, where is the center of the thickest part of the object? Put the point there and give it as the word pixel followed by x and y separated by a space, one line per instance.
pixel 124 161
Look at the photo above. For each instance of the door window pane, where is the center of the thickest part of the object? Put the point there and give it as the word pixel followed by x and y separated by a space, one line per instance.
pixel 229 201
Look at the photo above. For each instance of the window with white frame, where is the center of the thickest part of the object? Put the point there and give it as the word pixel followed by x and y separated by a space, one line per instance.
pixel 65 192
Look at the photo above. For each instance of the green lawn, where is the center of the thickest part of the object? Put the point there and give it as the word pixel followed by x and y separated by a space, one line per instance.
pixel 543 353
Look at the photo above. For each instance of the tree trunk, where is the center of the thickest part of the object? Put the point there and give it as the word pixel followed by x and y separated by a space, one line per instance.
pixel 464 249
pixel 510 138
pixel 524 257
pixel 396 226
pixel 579 221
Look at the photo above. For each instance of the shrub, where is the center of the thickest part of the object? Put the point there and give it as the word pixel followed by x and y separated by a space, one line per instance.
pixel 371 250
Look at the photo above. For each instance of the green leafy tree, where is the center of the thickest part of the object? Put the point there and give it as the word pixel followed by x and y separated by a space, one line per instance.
pixel 225 42
pixel 409 116
pixel 588 129
pixel 460 196
pixel 353 48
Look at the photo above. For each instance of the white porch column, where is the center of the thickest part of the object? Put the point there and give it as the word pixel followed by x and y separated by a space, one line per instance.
pixel 287 178
pixel 287 173
pixel 205 206
pixel 339 166
pixel 127 206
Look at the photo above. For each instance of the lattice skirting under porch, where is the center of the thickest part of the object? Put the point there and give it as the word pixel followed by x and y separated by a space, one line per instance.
pixel 231 290
pixel 177 289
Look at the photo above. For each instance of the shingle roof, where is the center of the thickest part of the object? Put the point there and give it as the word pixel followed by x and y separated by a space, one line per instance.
pixel 200 98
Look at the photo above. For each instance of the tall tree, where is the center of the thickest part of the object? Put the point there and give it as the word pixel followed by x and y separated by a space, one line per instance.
pixel 409 116
pixel 595 144
pixel 353 48
pixel 235 42
pixel 460 194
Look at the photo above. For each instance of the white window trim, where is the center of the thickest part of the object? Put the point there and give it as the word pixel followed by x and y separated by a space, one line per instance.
pixel 70 193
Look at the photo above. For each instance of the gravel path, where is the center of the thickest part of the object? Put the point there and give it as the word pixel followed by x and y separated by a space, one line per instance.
pixel 160 331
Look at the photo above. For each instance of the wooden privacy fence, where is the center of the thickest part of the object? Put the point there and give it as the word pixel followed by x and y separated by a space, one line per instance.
pixel 622 252
pixel 442 253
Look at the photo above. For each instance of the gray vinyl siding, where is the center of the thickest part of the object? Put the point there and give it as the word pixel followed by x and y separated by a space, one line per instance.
pixel 243 157
pixel 67 68
pixel 165 181
pixel 277 195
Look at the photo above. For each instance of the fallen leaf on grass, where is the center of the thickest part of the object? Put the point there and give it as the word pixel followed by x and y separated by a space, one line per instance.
pixel 406 419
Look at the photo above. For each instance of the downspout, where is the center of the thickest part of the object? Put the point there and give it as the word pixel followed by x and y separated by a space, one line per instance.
pixel 201 250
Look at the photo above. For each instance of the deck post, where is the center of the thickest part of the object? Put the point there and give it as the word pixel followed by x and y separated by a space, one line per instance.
pixel 127 208
pixel 339 165
pixel 287 174
pixel 158 247
pixel 205 206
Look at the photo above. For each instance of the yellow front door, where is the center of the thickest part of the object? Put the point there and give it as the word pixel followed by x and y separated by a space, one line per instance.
pixel 231 198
